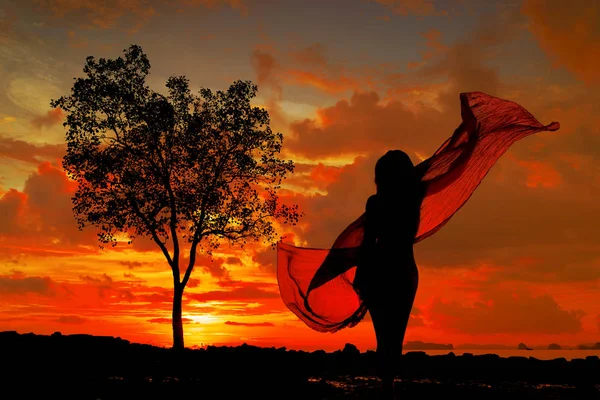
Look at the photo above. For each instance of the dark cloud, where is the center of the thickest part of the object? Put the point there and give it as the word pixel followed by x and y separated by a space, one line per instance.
pixel 506 312
pixel 249 324
pixel 71 320
pixel 22 285
pixel 52 117
pixel 22 150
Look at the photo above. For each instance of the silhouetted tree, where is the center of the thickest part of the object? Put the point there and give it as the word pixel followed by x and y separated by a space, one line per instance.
pixel 189 171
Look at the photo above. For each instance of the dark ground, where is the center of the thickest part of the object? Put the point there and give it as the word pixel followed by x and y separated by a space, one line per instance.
pixel 93 367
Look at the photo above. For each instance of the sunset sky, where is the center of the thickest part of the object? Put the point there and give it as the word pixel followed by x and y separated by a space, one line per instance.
pixel 344 81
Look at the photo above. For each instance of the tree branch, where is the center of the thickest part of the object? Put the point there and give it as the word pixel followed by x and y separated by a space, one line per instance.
pixel 197 238
pixel 150 228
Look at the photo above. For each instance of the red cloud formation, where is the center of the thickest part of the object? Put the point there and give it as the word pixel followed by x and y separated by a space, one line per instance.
pixel 321 81
pixel 568 32
pixel 311 177
pixel 42 213
pixel 505 312
pixel 193 282
pixel 366 125
pixel 541 174
pixel 24 151
pixel 53 117
pixel 13 208
pixel 266 259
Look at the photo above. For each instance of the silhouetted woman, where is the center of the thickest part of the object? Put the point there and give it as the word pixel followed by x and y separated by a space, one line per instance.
pixel 387 276
pixel 370 266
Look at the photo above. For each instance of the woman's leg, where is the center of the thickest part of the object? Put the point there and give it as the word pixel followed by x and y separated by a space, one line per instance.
pixel 390 315
pixel 382 317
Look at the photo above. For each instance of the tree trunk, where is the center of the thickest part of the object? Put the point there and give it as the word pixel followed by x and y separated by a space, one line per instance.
pixel 176 318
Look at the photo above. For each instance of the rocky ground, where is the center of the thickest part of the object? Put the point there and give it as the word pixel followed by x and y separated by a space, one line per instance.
pixel 91 367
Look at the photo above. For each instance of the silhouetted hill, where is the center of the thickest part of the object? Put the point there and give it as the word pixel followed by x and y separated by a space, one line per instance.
pixel 523 346
pixel 595 346
pixel 97 367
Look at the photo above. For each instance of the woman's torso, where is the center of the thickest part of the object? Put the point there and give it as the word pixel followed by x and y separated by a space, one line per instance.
pixel 393 223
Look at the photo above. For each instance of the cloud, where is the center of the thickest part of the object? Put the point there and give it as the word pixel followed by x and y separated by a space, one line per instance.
pixel 541 174
pixel 21 150
pixel 131 264
pixel 249 324
pixel 132 277
pixel 164 296
pixel 569 34
pixel 310 66
pixel 52 117
pixel 267 68
pixel 49 193
pixel 508 218
pixel 314 54
pixel 320 80
pixel 42 212
pixel 23 285
pixel 505 312
pixel 266 258
pixel 13 206
pixel 233 261
pixel 419 8
pixel 211 265
pixel 71 319
pixel 104 284
pixel 193 282
pixel 363 125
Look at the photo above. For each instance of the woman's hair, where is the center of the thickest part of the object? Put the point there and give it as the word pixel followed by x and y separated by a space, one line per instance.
pixel 394 171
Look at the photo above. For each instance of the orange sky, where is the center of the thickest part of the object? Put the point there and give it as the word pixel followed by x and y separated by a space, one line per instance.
pixel 344 81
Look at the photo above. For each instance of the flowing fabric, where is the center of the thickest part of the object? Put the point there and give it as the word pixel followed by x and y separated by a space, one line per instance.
pixel 316 284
